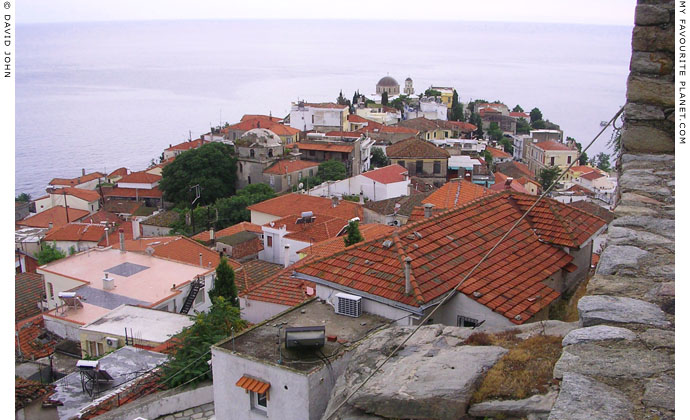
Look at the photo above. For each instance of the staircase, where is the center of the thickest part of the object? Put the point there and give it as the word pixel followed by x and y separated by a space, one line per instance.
pixel 196 285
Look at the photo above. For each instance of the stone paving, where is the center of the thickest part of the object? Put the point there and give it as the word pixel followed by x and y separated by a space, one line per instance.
pixel 202 412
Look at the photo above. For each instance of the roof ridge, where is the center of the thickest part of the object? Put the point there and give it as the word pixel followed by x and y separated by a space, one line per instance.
pixel 563 223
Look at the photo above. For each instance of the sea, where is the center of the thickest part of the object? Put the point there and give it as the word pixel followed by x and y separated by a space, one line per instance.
pixel 100 96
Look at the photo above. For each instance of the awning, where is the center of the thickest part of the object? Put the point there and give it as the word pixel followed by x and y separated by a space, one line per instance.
pixel 254 385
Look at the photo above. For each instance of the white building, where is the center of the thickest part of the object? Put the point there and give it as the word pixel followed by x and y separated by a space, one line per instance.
pixel 256 376
pixel 318 116
pixel 380 184
pixel 429 108
pixel 381 114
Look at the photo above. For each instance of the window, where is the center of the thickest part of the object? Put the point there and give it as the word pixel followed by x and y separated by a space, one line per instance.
pixel 51 292
pixel 259 401
pixel 312 119
pixel 249 180
pixel 271 180
pixel 312 153
pixel 445 133
pixel 553 161
pixel 95 348
pixel 311 172
pixel 240 167
pixel 434 134
pixel 299 176
pixel 437 166
pixel 269 241
pixel 419 166
pixel 270 152
pixel 289 179
pixel 251 152
pixel 570 159
pixel 200 298
pixel 464 321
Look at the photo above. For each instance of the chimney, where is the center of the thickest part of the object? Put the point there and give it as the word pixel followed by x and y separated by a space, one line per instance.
pixel 361 197
pixel 427 210
pixel 468 176
pixel 508 181
pixel 108 283
pixel 50 225
pixel 408 272
pixel 135 229
pixel 122 240
pixel 335 201
pixel 212 235
pixel 201 260
pixel 286 255
pixel 83 171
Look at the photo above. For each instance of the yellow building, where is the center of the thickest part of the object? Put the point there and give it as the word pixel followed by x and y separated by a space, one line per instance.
pixel 577 171
pixel 549 153
pixel 446 95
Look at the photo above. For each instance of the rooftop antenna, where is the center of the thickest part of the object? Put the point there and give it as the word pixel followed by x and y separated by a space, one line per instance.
pixel 190 135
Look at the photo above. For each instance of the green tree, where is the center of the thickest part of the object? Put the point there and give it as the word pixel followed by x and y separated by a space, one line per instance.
pixel 341 100
pixel 212 166
pixel 353 233
pixel 488 158
pixel 49 253
pixel 518 108
pixel 457 113
pixel 189 359
pixel 547 176
pixel 432 92
pixel 378 158
pixel 539 125
pixel 535 115
pixel 494 131
pixel 384 98
pixel 225 284
pixel 507 145
pixel 23 198
pixel 476 120
pixel 582 160
pixel 522 126
pixel 332 170
pixel 233 210
pixel 603 161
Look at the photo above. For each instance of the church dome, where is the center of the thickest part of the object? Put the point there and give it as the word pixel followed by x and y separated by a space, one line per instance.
pixel 259 137
pixel 408 79
pixel 388 82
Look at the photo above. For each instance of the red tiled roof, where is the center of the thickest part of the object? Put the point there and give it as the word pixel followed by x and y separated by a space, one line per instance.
pixel 325 147
pixel 463 126
pixel 387 174
pixel 519 115
pixel 250 123
pixel 296 203
pixel 77 232
pixel 28 292
pixel 514 169
pixel 594 209
pixel 369 232
pixel 86 195
pixel 580 189
pixel 585 169
pixel 283 167
pixel 498 153
pixel 140 177
pixel 259 117
pixel 511 281
pixel 425 124
pixel 253 385
pixel 415 148
pixel 553 146
pixel 27 391
pixel 118 172
pixel 501 185
pixel 113 239
pixel 524 180
pixel 30 346
pixel 488 111
pixel 354 118
pixel 591 176
pixel 55 215
pixel 181 249
pixel 187 145
pixel 254 272
pixel 325 105
pixel 281 289
pixel 134 192
pixel 73 182
pixel 456 193
pixel 205 236
pixel 323 227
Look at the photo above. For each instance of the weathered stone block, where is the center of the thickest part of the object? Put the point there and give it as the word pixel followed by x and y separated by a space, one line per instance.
pixel 653 38
pixel 537 404
pixel 655 339
pixel 615 363
pixel 642 138
pixel 635 111
pixel 663 227
pixel 650 90
pixel 596 310
pixel 583 398
pixel 597 333
pixel 660 392
pixel 657 63
pixel 617 257
pixel 632 287
pixel 647 14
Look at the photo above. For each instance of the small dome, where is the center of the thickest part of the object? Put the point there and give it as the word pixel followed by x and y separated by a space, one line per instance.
pixel 408 79
pixel 260 136
pixel 387 81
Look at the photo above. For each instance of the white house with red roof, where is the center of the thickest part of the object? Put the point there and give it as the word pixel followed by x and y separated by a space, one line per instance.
pixel 283 174
pixel 74 198
pixel 85 181
pixel 318 116
pixel 379 184
pixel 76 237
pixel 178 149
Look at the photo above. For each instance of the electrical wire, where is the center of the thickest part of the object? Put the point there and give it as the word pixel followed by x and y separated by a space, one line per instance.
pixel 454 290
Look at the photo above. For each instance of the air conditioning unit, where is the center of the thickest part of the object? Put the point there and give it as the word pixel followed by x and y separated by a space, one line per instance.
pixel 349 305
pixel 112 342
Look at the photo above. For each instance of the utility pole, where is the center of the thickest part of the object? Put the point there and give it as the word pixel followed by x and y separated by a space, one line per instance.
pixel 64 195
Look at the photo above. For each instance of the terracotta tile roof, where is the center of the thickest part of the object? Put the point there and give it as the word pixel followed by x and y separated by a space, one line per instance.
pixel 186 250
pixel 283 130
pixel 415 148
pixel 250 123
pixel 325 105
pixel 73 182
pixel 55 215
pixel 118 172
pixel 260 117
pixel 462 126
pixel 140 245
pixel 501 185
pixel 102 216
pixel 425 124
pixel 519 115
pixel 283 167
pixel 524 180
pixel 498 153
pixel 591 176
pixel 33 340
pixel 580 190
pixel 205 236
pixel 77 232
pixel 113 205
pixel 444 248
pixel 163 164
pixel 514 169
pixel 323 227
pixel 488 110
pixel 113 239
pixel 388 174
pixel 187 145
pixel 288 204
pixel 594 209
pixel 325 147
pixel 132 192
pixel 559 223
pixel 28 291
pixel 281 289
pixel 390 206
pixel 253 272
pixel 553 146
pixel 456 193
pixel 140 177
pixel 27 391
pixel 369 231
pixel 86 195
pixel 354 118
pixel 585 169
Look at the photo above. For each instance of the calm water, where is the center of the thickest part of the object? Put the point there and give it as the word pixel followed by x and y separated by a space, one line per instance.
pixel 104 95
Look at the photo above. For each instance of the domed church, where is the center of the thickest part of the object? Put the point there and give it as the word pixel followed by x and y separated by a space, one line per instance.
pixel 389 85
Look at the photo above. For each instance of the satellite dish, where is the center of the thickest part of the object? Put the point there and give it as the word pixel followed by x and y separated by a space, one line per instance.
pixel 300 186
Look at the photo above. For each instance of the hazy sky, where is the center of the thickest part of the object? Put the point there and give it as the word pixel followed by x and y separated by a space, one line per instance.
pixel 606 12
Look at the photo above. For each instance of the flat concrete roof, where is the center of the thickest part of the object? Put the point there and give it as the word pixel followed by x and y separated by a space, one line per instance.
pixel 259 342
pixel 146 324
pixel 137 276
pixel 82 315
pixel 123 365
